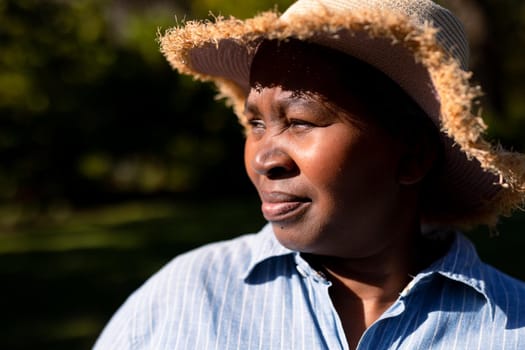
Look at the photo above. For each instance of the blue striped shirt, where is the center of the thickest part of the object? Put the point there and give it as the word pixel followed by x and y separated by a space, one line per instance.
pixel 252 293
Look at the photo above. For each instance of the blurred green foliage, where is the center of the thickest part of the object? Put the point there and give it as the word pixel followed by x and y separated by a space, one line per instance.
pixel 91 116
pixel 62 281
pixel 239 9
pixel 91 113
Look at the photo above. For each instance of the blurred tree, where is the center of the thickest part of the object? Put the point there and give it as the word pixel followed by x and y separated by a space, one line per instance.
pixel 496 30
pixel 239 9
pixel 91 112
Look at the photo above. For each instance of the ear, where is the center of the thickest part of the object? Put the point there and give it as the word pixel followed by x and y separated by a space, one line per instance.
pixel 417 160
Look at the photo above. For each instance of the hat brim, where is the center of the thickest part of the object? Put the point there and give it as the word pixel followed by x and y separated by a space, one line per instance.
pixel 477 183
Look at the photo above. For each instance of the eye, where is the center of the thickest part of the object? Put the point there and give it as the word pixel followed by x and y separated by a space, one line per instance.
pixel 256 125
pixel 301 124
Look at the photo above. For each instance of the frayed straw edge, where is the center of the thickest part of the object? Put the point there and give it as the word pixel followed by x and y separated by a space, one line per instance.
pixel 457 94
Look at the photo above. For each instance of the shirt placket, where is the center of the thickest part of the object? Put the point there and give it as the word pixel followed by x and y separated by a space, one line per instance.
pixel 328 321
pixel 330 327
pixel 368 340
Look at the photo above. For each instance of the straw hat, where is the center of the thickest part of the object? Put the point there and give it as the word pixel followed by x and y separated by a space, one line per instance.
pixel 418 44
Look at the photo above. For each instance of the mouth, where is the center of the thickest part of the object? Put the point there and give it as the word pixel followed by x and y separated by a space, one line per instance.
pixel 280 206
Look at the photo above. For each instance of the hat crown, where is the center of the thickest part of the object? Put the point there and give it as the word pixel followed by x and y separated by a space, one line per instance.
pixel 451 34
pixel 408 40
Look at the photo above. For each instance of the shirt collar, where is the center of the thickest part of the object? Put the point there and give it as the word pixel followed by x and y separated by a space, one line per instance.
pixel 265 246
pixel 462 264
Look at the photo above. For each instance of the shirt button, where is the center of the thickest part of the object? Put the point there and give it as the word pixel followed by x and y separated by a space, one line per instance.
pixel 407 289
pixel 302 271
pixel 319 277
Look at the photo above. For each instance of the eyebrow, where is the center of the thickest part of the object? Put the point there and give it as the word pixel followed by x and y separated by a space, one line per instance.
pixel 250 108
pixel 284 103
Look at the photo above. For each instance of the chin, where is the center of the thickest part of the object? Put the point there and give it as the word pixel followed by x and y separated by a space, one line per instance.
pixel 297 238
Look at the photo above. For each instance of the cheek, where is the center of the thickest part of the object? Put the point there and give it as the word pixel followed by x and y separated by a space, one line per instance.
pixel 329 158
pixel 347 161
pixel 248 156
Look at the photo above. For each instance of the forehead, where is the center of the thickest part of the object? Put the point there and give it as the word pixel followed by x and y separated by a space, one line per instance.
pixel 335 79
pixel 298 67
pixel 340 80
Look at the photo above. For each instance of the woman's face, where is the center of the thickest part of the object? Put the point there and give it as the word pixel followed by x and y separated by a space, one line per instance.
pixel 327 177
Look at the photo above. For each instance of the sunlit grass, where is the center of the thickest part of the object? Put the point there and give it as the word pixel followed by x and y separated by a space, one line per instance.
pixel 62 279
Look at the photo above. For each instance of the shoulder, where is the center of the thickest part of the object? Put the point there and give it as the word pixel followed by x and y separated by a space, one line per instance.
pixel 235 257
pixel 203 267
pixel 507 294
pixel 469 283
pixel 188 284
pixel 213 258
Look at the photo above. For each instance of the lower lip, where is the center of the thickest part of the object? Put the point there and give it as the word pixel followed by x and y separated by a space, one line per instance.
pixel 283 211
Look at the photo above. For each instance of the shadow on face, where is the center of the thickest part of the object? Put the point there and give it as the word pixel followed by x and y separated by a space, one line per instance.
pixel 340 81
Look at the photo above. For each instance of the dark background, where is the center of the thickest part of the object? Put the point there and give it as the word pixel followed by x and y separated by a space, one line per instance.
pixel 111 163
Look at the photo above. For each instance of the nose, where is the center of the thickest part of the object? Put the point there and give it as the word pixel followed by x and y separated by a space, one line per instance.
pixel 274 163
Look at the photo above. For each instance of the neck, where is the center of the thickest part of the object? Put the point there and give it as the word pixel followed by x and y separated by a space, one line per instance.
pixel 364 288
pixel 375 278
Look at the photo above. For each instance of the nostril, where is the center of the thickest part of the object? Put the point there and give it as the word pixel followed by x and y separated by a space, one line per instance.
pixel 277 172
pixel 274 164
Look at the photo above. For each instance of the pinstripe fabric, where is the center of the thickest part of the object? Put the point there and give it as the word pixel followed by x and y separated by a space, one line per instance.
pixel 252 293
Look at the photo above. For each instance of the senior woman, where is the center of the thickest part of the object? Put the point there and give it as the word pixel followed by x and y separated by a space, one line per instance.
pixel 364 148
